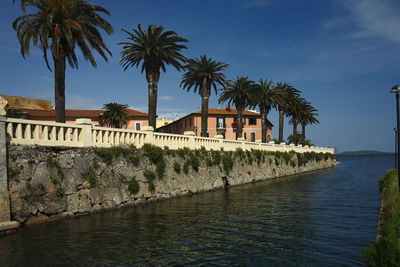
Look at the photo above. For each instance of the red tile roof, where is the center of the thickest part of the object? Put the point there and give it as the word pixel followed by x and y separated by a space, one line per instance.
pixel 217 111
pixel 79 113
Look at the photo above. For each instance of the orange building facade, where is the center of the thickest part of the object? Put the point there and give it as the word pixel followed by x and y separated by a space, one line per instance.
pixel 221 121
pixel 137 119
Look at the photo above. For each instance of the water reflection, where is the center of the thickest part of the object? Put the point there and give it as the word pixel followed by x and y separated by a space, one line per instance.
pixel 324 218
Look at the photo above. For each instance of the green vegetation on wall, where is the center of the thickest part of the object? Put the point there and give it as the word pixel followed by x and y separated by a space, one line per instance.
pixel 189 158
pixel 150 177
pixel 386 250
pixel 90 176
pixel 133 186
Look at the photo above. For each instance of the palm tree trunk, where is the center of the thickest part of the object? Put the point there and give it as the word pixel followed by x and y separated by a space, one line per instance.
pixel 303 134
pixel 205 96
pixel 263 124
pixel 295 132
pixel 281 125
pixel 152 76
pixel 240 122
pixel 204 116
pixel 59 85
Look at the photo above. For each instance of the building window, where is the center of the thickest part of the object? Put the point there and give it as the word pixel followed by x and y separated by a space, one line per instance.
pixel 253 136
pixel 235 119
pixel 220 122
pixel 190 122
pixel 138 126
pixel 252 121
pixel 245 136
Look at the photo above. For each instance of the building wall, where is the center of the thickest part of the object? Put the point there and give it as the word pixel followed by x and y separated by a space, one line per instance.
pixel 96 121
pixel 193 122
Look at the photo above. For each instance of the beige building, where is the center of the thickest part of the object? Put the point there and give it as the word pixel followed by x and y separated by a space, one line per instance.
pixel 163 121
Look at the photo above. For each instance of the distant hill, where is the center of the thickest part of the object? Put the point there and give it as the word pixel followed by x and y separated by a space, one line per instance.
pixel 364 153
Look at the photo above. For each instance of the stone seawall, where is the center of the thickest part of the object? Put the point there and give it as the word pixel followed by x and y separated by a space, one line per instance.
pixel 47 184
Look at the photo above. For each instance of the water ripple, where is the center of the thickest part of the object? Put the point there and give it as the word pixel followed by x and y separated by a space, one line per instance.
pixel 320 219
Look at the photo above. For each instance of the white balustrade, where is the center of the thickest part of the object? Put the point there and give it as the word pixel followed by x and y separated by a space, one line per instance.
pixel 83 134
pixel 29 132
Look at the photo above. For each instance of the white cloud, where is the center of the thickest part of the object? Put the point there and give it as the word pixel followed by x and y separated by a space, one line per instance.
pixel 373 18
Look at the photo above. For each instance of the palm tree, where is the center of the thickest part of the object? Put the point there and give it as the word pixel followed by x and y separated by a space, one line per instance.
pixel 115 115
pixel 155 48
pixel 296 108
pixel 287 93
pixel 241 92
pixel 14 113
pixel 293 138
pixel 202 74
pixel 60 26
pixel 308 117
pixel 269 98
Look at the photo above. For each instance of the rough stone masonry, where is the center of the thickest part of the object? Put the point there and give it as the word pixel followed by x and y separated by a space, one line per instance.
pixel 52 183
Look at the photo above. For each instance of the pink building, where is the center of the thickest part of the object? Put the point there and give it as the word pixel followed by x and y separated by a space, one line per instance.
pixel 221 121
pixel 137 119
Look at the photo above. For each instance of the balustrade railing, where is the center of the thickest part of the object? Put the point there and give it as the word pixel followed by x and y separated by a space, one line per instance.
pixel 83 134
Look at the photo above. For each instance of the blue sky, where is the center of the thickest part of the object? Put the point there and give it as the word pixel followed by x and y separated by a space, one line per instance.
pixel 344 55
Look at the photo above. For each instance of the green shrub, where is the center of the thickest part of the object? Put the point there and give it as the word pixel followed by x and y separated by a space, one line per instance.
pixel 216 158
pixel 54 180
pixel 277 162
pixel 150 177
pixel 209 162
pixel 386 250
pixel 203 151
pixel 250 159
pixel 287 157
pixel 95 164
pixel 186 150
pixel 104 153
pixel 292 163
pixel 186 168
pixel 181 153
pixel 151 186
pixel 51 163
pixel 302 159
pixel 91 177
pixel 239 152
pixel 135 160
pixel 154 153
pixel 195 162
pixel 133 186
pixel 227 163
pixel 60 192
pixel 257 154
pixel 177 167
pixel 263 158
pixel 160 168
